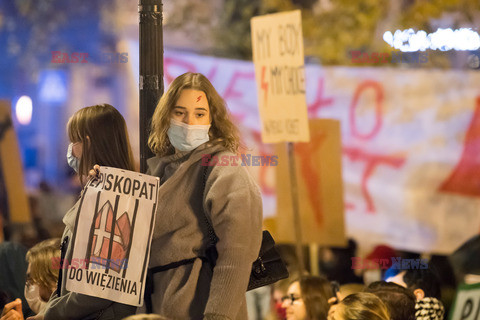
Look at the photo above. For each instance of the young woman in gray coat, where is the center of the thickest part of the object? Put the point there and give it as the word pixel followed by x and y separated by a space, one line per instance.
pixel 206 196
pixel 98 135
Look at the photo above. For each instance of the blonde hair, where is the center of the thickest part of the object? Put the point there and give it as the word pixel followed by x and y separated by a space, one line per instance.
pixel 143 316
pixel 362 306
pixel 103 132
pixel 222 127
pixel 40 258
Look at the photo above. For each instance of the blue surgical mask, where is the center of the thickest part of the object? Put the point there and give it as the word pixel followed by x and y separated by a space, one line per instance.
pixel 185 137
pixel 73 161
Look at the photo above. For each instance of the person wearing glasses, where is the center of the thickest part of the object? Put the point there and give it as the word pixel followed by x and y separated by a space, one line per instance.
pixel 307 298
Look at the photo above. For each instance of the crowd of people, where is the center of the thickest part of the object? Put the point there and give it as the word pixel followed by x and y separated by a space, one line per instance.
pixel 192 120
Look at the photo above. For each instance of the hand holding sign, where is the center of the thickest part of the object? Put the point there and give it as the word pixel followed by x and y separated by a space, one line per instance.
pixel 107 236
pixel 279 69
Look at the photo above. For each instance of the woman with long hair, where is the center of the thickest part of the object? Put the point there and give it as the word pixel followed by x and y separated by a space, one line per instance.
pixel 208 226
pixel 307 298
pixel 98 135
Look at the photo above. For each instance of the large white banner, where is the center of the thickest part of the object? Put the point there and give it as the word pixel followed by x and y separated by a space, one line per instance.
pixel 112 236
pixel 410 145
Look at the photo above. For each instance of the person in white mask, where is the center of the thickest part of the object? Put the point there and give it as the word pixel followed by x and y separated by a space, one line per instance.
pixel 208 229
pixel 41 279
pixel 42 275
pixel 98 135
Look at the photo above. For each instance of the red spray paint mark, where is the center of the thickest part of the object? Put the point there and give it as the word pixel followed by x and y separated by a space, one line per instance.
pixel 321 100
pixel 465 178
pixel 371 163
pixel 378 109
pixel 198 98
pixel 173 63
pixel 310 170
pixel 264 84
pixel 262 175
pixel 231 91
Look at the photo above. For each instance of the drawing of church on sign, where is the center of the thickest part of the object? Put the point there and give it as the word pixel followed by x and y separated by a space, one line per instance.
pixel 102 250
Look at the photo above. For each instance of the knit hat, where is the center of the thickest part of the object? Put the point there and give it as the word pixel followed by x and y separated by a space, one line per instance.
pixel 429 309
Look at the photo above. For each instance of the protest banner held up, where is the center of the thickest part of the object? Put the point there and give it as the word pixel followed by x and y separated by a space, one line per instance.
pixel 320 187
pixel 277 43
pixel 467 303
pixel 112 236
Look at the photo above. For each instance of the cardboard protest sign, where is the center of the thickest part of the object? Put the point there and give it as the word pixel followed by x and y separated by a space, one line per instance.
pixel 112 236
pixel 320 187
pixel 467 303
pixel 13 198
pixel 277 43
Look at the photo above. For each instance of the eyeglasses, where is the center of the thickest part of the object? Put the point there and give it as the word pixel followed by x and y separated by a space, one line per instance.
pixel 291 297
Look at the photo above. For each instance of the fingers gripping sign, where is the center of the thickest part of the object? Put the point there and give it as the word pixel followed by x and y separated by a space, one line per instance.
pixel 13 311
pixel 95 172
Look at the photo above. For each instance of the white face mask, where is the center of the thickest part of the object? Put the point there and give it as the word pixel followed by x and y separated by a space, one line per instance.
pixel 73 161
pixel 185 137
pixel 32 295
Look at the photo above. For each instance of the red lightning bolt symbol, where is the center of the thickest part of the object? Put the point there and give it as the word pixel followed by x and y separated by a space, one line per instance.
pixel 264 84
pixel 198 98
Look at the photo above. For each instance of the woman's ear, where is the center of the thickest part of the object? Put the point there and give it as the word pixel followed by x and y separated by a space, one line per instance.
pixel 419 294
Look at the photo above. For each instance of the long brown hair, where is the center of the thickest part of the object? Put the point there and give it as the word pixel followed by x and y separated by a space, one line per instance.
pixel 103 133
pixel 315 292
pixel 222 127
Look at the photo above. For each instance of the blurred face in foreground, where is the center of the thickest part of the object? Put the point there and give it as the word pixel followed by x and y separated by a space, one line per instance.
pixel 294 304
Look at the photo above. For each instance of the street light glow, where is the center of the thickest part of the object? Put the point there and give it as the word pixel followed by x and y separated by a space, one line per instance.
pixel 23 110
pixel 443 39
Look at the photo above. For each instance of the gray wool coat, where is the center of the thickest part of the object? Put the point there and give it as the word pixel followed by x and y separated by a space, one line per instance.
pixel 232 201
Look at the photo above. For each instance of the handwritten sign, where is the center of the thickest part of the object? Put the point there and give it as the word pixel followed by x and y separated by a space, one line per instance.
pixel 467 303
pixel 320 187
pixel 277 42
pixel 112 236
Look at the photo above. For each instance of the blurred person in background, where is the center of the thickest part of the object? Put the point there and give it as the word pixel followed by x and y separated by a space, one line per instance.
pixel 42 276
pixel 259 302
pixel 446 275
pixel 466 261
pixel 13 268
pixel 360 306
pixel 144 316
pixel 42 273
pixel 425 285
pixel 98 135
pixel 348 289
pixel 307 298
pixel 379 253
pixel 399 300
pixel 336 263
